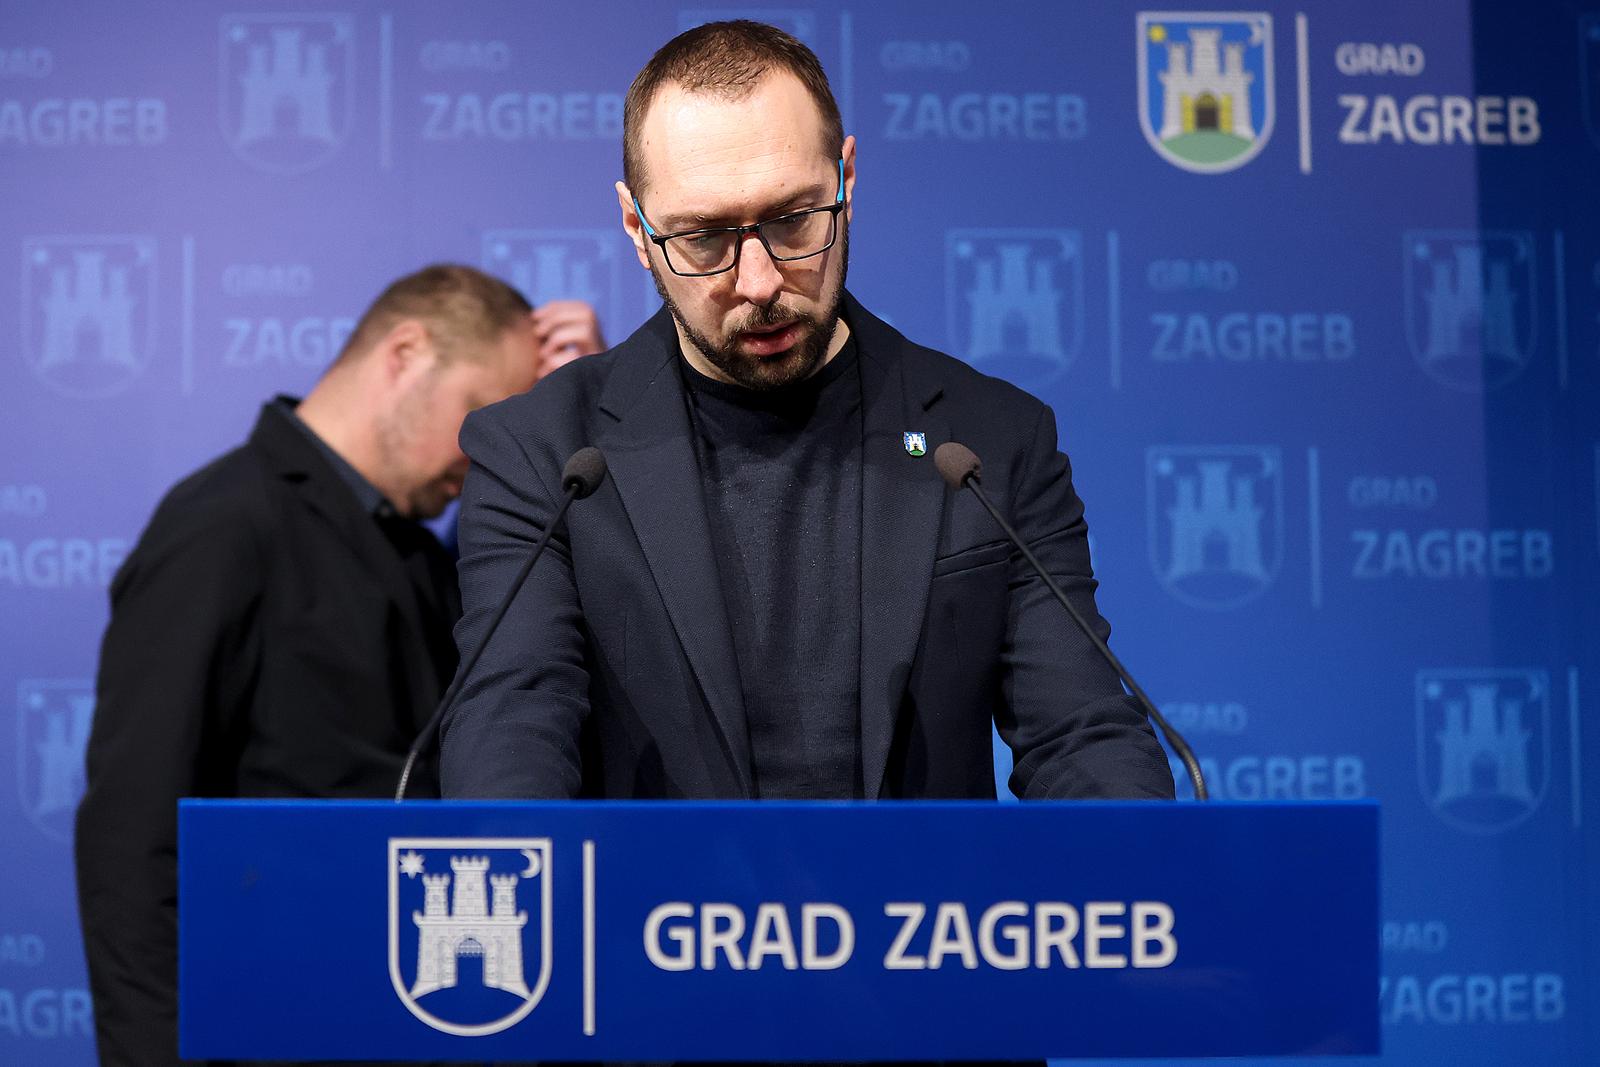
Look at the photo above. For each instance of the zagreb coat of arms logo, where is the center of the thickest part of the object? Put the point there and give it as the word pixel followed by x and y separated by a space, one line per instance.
pixel 1205 87
pixel 470 930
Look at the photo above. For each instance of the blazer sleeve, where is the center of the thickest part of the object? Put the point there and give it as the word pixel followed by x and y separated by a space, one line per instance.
pixel 1072 729
pixel 177 664
pixel 514 731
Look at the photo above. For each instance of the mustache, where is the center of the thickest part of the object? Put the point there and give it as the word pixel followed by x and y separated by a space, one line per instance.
pixel 765 318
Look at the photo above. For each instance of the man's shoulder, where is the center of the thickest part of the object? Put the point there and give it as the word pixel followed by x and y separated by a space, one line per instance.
pixel 960 384
pixel 227 497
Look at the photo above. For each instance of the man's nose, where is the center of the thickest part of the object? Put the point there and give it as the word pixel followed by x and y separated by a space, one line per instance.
pixel 759 278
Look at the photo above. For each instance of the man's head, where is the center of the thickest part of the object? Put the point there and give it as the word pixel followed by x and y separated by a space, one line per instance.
pixel 433 347
pixel 731 124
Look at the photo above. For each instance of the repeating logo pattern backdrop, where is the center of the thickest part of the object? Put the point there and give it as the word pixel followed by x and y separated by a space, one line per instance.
pixel 1314 290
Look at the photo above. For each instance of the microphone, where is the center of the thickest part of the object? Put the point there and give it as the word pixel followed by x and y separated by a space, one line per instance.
pixel 582 475
pixel 961 469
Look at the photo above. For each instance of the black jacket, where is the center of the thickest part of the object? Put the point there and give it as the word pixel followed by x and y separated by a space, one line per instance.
pixel 265 641
pixel 614 674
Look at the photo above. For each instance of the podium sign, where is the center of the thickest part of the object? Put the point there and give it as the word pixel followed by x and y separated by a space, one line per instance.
pixel 775 931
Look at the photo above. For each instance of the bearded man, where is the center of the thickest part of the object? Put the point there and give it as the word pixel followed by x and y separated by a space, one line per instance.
pixel 773 595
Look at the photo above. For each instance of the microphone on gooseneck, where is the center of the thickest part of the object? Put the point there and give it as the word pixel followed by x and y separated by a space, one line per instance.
pixel 960 468
pixel 580 477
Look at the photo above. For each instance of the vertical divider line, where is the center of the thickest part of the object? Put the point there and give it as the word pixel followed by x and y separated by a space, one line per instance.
pixel 186 348
pixel 1314 494
pixel 1576 747
pixel 1561 309
pixel 847 74
pixel 1114 306
pixel 386 91
pixel 1303 64
pixel 588 939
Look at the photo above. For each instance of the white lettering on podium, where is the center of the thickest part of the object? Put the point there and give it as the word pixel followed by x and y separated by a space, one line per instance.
pixel 1048 935
pixel 910 914
pixel 1011 935
pixel 952 935
pixel 683 960
pixel 674 931
pixel 1096 929
pixel 725 937
pixel 811 959
pixel 772 938
pixel 1152 924
pixel 1016 958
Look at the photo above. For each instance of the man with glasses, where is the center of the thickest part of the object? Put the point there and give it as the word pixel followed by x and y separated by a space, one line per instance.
pixel 773 595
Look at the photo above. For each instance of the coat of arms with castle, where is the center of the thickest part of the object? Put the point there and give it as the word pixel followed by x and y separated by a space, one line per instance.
pixel 462 934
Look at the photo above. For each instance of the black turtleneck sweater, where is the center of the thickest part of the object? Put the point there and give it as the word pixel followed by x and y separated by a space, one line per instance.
pixel 781 472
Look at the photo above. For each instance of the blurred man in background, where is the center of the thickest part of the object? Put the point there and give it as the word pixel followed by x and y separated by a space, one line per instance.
pixel 283 628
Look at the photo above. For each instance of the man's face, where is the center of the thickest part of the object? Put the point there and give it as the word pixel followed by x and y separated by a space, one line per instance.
pixel 418 436
pixel 709 161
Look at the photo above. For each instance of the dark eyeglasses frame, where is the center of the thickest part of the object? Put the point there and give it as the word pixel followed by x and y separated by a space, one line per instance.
pixel 739 233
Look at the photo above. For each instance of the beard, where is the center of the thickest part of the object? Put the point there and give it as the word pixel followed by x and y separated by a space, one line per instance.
pixel 799 362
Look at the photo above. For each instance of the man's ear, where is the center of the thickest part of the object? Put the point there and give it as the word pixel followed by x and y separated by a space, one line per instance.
pixel 848 154
pixel 405 350
pixel 632 224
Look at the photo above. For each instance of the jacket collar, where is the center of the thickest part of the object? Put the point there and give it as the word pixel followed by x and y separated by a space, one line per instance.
pixel 293 458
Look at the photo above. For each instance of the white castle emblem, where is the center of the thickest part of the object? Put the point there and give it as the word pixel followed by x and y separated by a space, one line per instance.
pixel 88 300
pixel 459 940
pixel 53 720
pixel 287 73
pixel 1008 290
pixel 469 926
pixel 1215 507
pixel 546 265
pixel 286 87
pixel 1215 521
pixel 87 311
pixel 1483 741
pixel 1470 305
pixel 1015 300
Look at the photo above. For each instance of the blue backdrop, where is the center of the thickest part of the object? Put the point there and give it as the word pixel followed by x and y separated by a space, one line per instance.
pixel 1314 291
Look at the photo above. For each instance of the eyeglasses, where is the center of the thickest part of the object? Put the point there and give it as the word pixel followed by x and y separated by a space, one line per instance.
pixel 704 252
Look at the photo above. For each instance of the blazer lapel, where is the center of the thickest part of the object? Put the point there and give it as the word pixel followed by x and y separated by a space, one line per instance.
pixel 651 458
pixel 319 488
pixel 902 507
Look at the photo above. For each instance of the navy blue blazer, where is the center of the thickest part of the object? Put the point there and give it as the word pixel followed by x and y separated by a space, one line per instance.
pixel 614 673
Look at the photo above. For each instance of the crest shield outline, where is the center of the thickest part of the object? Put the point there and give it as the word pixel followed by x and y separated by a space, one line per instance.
pixel 1472 305
pixel 53 720
pixel 537 853
pixel 306 61
pixel 1459 752
pixel 1000 280
pixel 1229 99
pixel 547 265
pixel 1589 74
pixel 78 287
pixel 1214 504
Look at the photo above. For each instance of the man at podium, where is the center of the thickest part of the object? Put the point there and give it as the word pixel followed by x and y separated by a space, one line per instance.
pixel 773 595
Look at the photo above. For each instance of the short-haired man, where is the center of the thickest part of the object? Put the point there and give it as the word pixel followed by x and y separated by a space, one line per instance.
pixel 282 628
pixel 774 594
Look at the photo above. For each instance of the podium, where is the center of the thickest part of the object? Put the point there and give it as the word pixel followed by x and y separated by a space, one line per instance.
pixel 776 931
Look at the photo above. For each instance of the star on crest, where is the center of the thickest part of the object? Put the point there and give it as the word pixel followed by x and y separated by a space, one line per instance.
pixel 411 863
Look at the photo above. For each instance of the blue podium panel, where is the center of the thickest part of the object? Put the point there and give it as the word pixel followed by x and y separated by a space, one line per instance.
pixel 614 931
